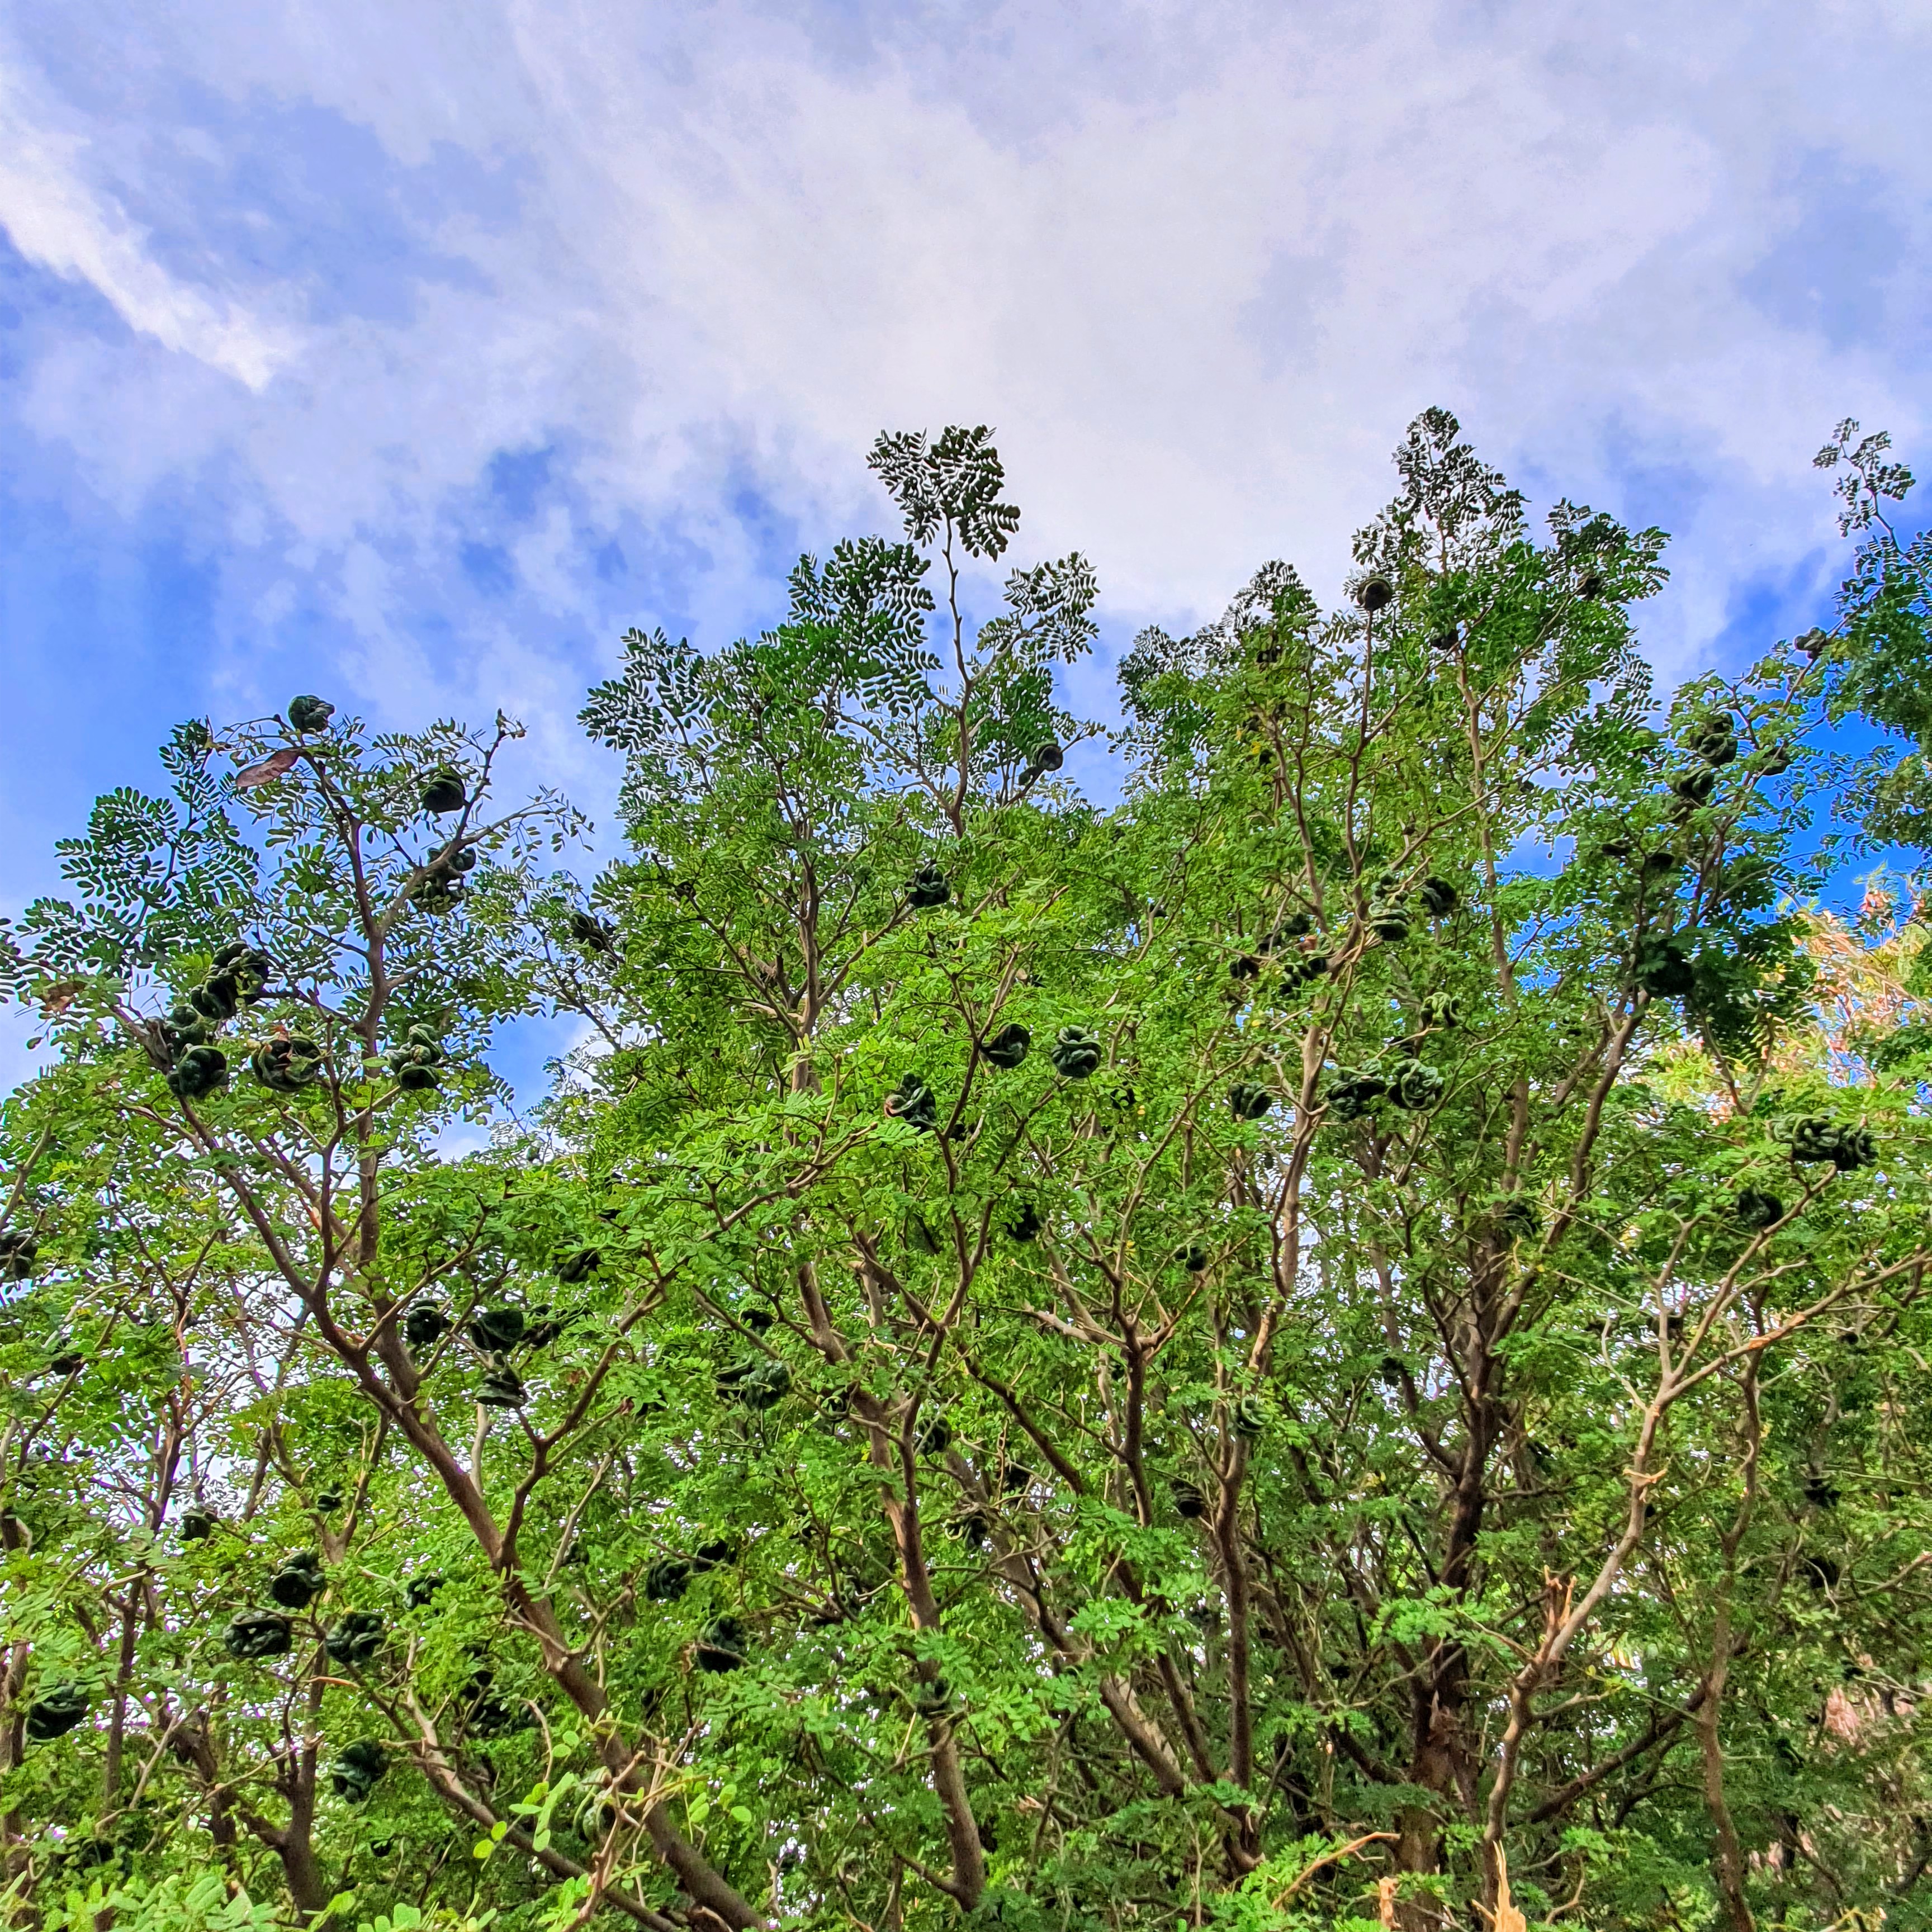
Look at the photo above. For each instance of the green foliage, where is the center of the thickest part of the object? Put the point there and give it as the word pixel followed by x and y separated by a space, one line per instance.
pixel 1419 1373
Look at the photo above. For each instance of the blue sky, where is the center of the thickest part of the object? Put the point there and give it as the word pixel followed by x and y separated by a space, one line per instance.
pixel 407 352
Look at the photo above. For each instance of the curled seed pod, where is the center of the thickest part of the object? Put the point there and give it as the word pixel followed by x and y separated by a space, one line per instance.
pixel 1441 1012
pixel 497 1331
pixel 285 1065
pixel 1446 640
pixel 1015 1479
pixel 425 1325
pixel 715 1553
pixel 199 1072
pixel 1813 642
pixel 1049 757
pixel 757 1318
pixel 1518 1217
pixel 310 713
pixel 936 1437
pixel 1246 1102
pixel 912 1101
pixel 927 888
pixel 1417 1085
pixel 328 1501
pixel 1388 920
pixel 502 1387
pixel 197 1524
pixel 1693 785
pixel 1353 1090
pixel 1663 968
pixel 256 1634
pixel 422 1592
pixel 1188 1500
pixel 721 1645
pixel 61 1705
pixel 1713 738
pixel 1246 966
pixel 1008 1047
pixel 1023 1223
pixel 20 1247
pixel 1391 1370
pixel 667 1580
pixel 298 1581
pixel 592 933
pixel 1192 1256
pixel 1753 1208
pixel 579 1265
pixel 1375 593
pixel 1075 1053
pixel 354 1638
pixel 356 1773
pixel 1249 1418
pixel 1439 896
pixel 443 792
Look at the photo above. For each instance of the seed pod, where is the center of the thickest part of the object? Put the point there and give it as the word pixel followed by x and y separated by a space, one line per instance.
pixel 1023 1223
pixel 715 1553
pixel 592 933
pixel 61 1706
pixel 67 1359
pixel 356 1773
pixel 759 1382
pixel 1353 1091
pixel 502 1387
pixel 1518 1217
pixel 197 1524
pixel 1694 784
pixel 1713 738
pixel 218 998
pixel 1008 1047
pixel 757 1318
pixel 1246 1102
pixel 328 1501
pixel 1821 1492
pixel 1663 968
pixel 1820 1572
pixel 425 1325
pixel 198 1071
pixel 256 1634
pixel 1589 586
pixel 1755 1209
pixel 1015 1478
pixel 1446 640
pixel 1391 1370
pixel 1075 1053
pixel 19 1248
pixel 927 888
pixel 1048 757
pixel 308 713
pixel 1192 1256
pixel 1188 1500
pixel 354 1638
pixel 936 1437
pixel 1813 642
pixel 443 792
pixel 1439 896
pixel 298 1582
pixel 913 1103
pixel 285 1065
pixel 1375 593
pixel 1442 1013
pixel 666 1580
pixel 579 1265
pixel 1249 1418
pixel 1416 1085
pixel 495 1331
pixel 422 1591
pixel 721 1645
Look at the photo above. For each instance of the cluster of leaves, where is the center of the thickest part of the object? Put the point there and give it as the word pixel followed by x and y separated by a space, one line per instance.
pixel 1330 1343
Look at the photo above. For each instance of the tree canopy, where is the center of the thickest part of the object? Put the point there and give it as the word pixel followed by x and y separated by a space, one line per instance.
pixel 1335 1341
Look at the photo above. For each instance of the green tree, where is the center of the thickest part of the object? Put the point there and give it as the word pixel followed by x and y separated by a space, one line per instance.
pixel 1333 1341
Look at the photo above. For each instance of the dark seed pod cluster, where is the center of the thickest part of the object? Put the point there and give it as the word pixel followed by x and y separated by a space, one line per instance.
pixel 1416 1085
pixel 20 1247
pixel 298 1582
pixel 443 792
pixel 758 1382
pixel 422 1591
pixel 412 1065
pixel 912 1101
pixel 256 1634
pixel 1023 1223
pixel 1754 1208
pixel 200 1071
pixel 502 1387
pixel 425 1325
pixel 1247 1102
pixel 1816 1139
pixel 59 1708
pixel 579 1265
pixel 1075 1053
pixel 1188 1500
pixel 927 888
pixel 721 1645
pixel 356 1773
pixel 1008 1047
pixel 1354 1090
pixel 1663 969
pixel 355 1638
pixel 286 1065
pixel 309 713
pixel 667 1580
pixel 197 1524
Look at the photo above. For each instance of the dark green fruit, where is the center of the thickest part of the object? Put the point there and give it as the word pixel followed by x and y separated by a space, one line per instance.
pixel 936 1437
pixel 1249 1418
pixel 1589 586
pixel 497 1331
pixel 67 1359
pixel 1297 925
pixel 502 1387
pixel 436 894
pixel 1442 1013
pixel 442 791
pixel 592 933
pixel 714 1553
pixel 666 1580
pixel 1713 739
pixel 1772 760
pixel 758 1382
pixel 256 1634
pixel 218 998
pixel 1439 898
pixel 1416 1085
pixel 1518 1217
pixel 1816 1139
pixel 1392 1369
pixel 1822 1493
pixel 579 1265
pixel 1245 967
pixel 1754 1208
pixel 298 1582
pixel 721 1645
pixel 425 1325
pixel 1695 785
pixel 328 1501
pixel 248 967
pixel 308 713
pixel 1446 640
pixel 197 1524
pixel 1192 1256
pixel 285 1065
pixel 19 1248
pixel 1075 1053
pixel 1248 1103
pixel 412 1064
pixel 1388 921
pixel 1008 1047
pixel 56 1710
pixel 912 1101
pixel 1188 1500
pixel 354 1638
pixel 422 1591
pixel 927 888
pixel 1663 969
pixel 1374 594
pixel 357 1772
pixel 1023 1223
pixel 1353 1091
pixel 198 1071
pixel 757 1319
